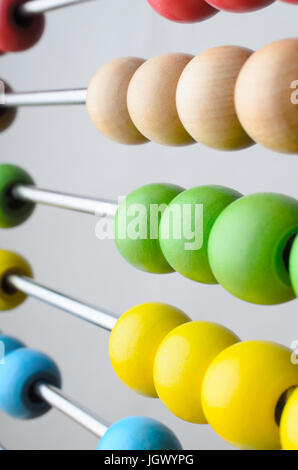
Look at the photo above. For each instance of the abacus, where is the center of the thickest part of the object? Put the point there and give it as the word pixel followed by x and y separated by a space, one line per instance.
pixel 200 370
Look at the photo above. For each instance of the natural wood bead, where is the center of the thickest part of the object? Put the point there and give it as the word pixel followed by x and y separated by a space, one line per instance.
pixel 263 96
pixel 205 98
pixel 107 101
pixel 152 99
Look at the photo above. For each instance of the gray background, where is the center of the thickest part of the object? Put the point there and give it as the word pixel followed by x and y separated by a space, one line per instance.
pixel 62 150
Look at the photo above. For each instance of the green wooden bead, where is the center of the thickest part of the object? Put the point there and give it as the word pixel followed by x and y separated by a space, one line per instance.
pixel 185 228
pixel 248 247
pixel 293 265
pixel 137 226
pixel 13 212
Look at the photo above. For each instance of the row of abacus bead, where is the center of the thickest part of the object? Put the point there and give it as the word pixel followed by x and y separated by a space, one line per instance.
pixel 19 34
pixel 23 368
pixel 247 241
pixel 215 98
pixel 200 370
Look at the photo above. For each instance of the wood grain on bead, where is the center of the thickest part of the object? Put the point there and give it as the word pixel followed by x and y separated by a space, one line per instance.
pixel 107 101
pixel 152 99
pixel 205 98
pixel 263 96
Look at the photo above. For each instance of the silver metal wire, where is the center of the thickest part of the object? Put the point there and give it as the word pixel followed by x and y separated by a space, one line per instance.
pixel 70 408
pixel 98 317
pixel 41 6
pixel 44 98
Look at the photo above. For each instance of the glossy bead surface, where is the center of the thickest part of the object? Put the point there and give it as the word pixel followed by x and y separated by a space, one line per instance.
pixel 9 345
pixel 16 32
pixel 139 433
pixel 293 265
pixel 288 423
pixel 12 211
pixel 134 342
pixel 22 369
pixel 205 98
pixel 241 390
pixel 152 99
pixel 7 115
pixel 137 225
pixel 181 363
pixel 185 229
pixel 240 6
pixel 11 263
pixel 183 11
pixel 248 247
pixel 107 101
pixel 274 123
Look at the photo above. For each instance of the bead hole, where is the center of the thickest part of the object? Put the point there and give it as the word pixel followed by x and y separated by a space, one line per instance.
pixel 23 21
pixel 33 394
pixel 6 287
pixel 287 251
pixel 12 202
pixel 282 403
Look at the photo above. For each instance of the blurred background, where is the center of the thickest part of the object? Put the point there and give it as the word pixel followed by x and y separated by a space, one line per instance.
pixel 63 151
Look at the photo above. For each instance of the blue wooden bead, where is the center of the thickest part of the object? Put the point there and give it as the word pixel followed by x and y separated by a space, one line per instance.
pixel 139 433
pixel 8 345
pixel 22 369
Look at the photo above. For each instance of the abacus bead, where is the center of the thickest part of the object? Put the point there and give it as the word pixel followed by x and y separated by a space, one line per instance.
pixel 22 369
pixel 294 2
pixel 136 230
pixel 139 433
pixel 241 391
pixel 288 423
pixel 240 6
pixel 7 115
pixel 107 101
pixel 181 363
pixel 134 342
pixel 12 211
pixel 152 99
pixel 9 345
pixel 293 265
pixel 270 117
pixel 248 246
pixel 187 253
pixel 183 11
pixel 11 263
pixel 18 33
pixel 205 98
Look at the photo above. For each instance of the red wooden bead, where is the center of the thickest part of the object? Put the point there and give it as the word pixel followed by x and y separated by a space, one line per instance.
pixel 183 11
pixel 294 2
pixel 18 33
pixel 239 6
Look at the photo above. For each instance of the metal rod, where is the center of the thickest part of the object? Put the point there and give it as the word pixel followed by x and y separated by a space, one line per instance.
pixel 42 6
pixel 70 408
pixel 44 98
pixel 98 317
pixel 100 208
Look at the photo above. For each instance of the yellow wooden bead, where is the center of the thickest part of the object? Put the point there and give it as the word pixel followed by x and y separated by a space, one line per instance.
pixel 289 422
pixel 264 93
pixel 134 342
pixel 205 98
pixel 107 101
pixel 152 99
pixel 11 263
pixel 181 362
pixel 241 391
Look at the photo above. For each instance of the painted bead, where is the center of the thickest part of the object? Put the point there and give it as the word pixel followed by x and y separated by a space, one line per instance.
pixel 270 118
pixel 241 390
pixel 205 98
pixel 107 101
pixel 18 33
pixel 183 11
pixel 12 211
pixel 293 265
pixel 11 263
pixel 139 433
pixel 22 369
pixel 7 115
pixel 240 6
pixel 248 247
pixel 185 228
pixel 181 363
pixel 288 423
pixel 8 345
pixel 151 99
pixel 137 225
pixel 134 342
